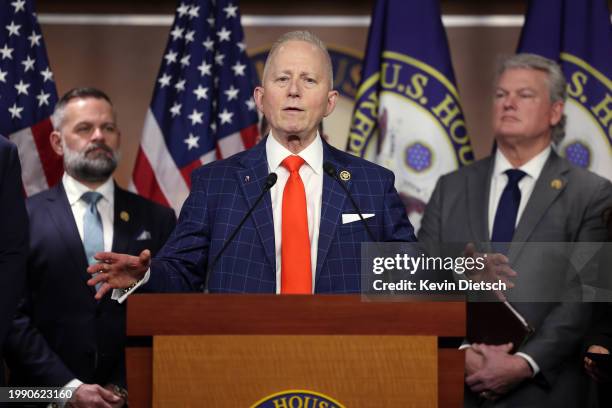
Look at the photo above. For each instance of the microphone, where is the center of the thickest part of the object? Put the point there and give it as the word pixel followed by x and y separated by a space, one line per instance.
pixel 270 181
pixel 330 170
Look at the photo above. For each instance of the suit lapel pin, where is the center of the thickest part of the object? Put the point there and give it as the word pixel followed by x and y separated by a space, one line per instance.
pixel 556 184
pixel 247 179
pixel 124 216
pixel 345 175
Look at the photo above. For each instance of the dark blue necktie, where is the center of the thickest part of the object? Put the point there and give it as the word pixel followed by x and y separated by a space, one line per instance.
pixel 507 209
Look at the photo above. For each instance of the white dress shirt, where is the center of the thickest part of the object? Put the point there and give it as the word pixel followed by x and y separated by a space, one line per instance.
pixel 311 173
pixel 106 207
pixel 499 179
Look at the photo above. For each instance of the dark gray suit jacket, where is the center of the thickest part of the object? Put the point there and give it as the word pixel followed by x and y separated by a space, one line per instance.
pixel 569 211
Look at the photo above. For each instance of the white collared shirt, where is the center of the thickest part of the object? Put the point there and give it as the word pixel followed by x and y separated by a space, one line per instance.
pixel 106 205
pixel 311 173
pixel 499 179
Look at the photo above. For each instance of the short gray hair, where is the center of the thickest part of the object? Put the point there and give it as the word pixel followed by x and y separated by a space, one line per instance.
pixel 305 36
pixel 77 93
pixel 556 82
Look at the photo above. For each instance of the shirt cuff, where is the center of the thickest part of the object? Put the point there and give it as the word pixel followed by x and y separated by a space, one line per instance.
pixel 120 295
pixel 530 361
pixel 72 386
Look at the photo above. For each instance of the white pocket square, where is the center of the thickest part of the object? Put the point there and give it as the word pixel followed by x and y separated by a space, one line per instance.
pixel 347 218
pixel 144 235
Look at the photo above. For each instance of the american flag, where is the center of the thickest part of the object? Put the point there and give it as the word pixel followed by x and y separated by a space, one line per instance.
pixel 27 95
pixel 202 107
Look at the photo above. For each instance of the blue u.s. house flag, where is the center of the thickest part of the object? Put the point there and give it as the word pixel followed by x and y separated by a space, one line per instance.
pixel 578 34
pixel 407 115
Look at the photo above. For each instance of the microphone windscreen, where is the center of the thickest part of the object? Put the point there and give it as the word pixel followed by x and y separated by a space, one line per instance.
pixel 329 169
pixel 271 180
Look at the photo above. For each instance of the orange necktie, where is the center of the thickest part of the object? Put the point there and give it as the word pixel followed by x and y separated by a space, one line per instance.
pixel 296 276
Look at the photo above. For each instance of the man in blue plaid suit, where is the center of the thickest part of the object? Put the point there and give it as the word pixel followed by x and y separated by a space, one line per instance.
pixel 295 95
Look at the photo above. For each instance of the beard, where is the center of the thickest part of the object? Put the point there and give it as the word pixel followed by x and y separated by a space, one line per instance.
pixel 95 163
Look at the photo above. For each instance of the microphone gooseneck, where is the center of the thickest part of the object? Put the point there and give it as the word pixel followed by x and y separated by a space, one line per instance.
pixel 330 170
pixel 269 183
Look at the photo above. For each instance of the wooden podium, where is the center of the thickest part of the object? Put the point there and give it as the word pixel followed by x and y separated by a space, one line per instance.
pixel 234 350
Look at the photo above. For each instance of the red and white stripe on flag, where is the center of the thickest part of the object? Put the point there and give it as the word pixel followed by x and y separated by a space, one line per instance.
pixel 41 166
pixel 27 95
pixel 202 107
pixel 156 175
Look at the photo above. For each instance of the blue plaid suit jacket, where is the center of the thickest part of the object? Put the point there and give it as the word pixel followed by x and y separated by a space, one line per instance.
pixel 221 195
